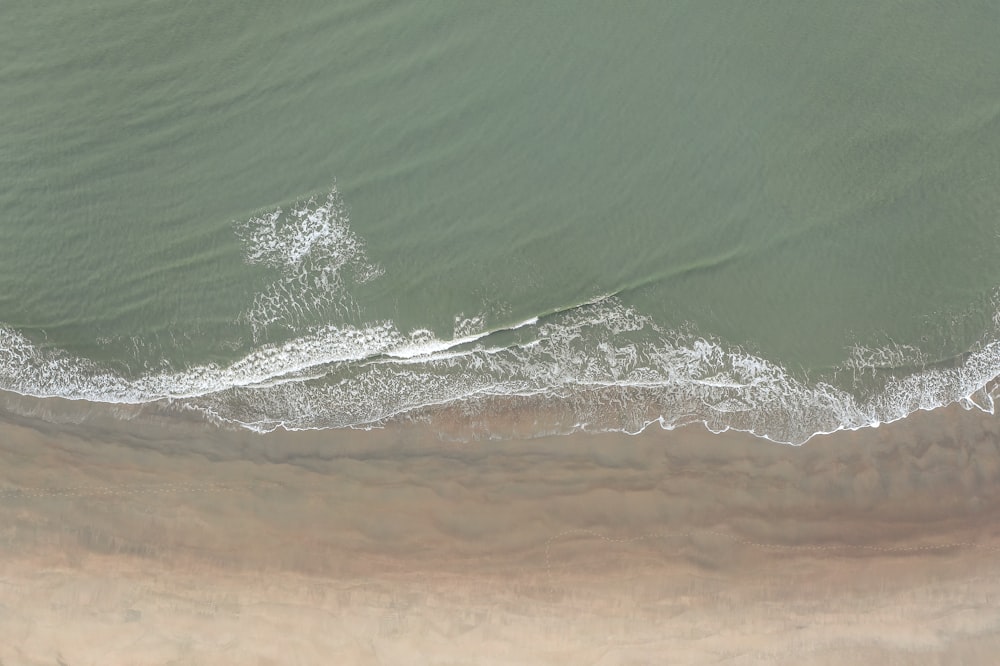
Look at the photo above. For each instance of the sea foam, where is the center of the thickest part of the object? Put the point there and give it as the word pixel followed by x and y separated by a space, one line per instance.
pixel 603 366
pixel 598 365
pixel 313 249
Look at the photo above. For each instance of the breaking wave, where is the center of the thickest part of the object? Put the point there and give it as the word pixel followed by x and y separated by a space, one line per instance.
pixel 597 366
pixel 600 365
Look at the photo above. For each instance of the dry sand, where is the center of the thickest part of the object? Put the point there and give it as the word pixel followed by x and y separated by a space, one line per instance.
pixel 165 541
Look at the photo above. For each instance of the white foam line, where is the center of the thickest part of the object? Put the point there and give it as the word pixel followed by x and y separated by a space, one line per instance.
pixel 692 380
pixel 428 349
pixel 863 415
pixel 580 353
pixel 921 391
pixel 267 366
pixel 425 349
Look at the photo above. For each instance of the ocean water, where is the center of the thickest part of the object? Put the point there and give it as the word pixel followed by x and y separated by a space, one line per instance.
pixel 777 217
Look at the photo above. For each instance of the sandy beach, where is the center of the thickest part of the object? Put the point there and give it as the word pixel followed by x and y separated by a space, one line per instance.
pixel 157 539
pixel 499 333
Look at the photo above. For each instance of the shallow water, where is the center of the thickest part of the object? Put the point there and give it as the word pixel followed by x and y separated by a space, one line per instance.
pixel 776 219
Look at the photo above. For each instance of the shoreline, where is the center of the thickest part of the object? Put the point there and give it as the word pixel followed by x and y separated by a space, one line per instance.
pixel 721 386
pixel 178 542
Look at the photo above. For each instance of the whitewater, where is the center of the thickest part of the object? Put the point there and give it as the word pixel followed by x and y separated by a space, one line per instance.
pixel 598 365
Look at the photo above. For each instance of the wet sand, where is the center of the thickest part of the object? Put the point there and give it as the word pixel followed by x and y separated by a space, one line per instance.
pixel 161 540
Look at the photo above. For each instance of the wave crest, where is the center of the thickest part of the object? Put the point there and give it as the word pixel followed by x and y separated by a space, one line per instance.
pixel 599 366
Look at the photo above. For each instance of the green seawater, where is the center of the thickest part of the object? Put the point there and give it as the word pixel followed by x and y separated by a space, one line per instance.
pixel 779 217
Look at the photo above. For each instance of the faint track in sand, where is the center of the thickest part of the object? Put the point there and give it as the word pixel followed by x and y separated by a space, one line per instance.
pixel 690 534
pixel 118 490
